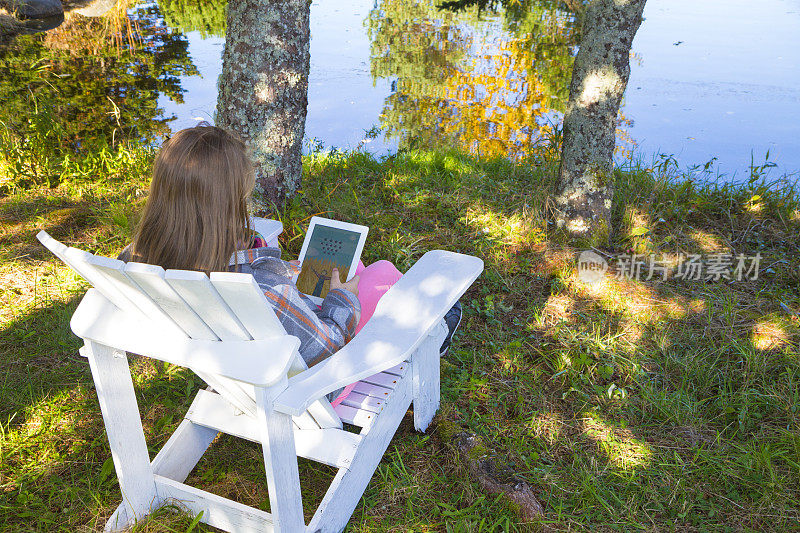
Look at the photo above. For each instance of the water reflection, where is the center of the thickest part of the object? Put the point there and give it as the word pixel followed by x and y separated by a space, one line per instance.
pixel 492 82
pixel 205 17
pixel 93 81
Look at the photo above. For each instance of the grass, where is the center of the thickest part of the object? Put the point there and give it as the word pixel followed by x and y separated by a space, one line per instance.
pixel 625 404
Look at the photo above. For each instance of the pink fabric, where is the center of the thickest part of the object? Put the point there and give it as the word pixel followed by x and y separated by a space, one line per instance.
pixel 374 281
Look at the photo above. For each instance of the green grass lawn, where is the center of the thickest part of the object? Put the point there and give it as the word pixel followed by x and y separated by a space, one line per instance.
pixel 626 405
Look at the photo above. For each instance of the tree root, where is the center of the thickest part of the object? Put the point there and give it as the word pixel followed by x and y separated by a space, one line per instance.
pixel 494 478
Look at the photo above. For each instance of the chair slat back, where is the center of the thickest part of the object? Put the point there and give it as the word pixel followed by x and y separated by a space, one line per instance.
pixel 77 260
pixel 197 291
pixel 248 305
pixel 247 301
pixel 230 306
pixel 115 283
pixel 150 278
pixel 149 285
pixel 113 269
pixel 235 308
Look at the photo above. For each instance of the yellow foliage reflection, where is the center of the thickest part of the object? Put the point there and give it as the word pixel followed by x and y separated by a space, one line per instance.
pixel 491 84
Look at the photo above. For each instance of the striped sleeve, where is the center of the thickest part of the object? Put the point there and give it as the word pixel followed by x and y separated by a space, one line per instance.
pixel 342 308
pixel 321 332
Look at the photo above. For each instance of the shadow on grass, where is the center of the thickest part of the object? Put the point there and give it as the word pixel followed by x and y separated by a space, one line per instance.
pixel 671 429
pixel 647 405
pixel 631 410
pixel 62 217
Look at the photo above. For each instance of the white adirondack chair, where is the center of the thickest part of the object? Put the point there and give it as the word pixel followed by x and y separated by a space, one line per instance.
pixel 223 328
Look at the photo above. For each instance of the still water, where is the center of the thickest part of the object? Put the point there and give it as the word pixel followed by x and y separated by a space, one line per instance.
pixel 717 78
pixel 711 79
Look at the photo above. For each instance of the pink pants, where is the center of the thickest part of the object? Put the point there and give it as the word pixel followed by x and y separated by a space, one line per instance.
pixel 374 281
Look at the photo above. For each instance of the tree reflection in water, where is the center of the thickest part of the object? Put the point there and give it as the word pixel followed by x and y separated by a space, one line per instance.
pixel 92 82
pixel 490 81
pixel 203 16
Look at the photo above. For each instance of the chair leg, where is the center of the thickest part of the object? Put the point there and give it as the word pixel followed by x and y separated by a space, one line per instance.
pixel 183 450
pixel 280 462
pixel 425 367
pixel 349 484
pixel 120 411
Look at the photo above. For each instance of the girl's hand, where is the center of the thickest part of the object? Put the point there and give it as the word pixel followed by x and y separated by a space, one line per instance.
pixel 351 285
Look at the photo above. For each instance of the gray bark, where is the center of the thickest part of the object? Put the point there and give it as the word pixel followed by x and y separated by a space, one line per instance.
pixel 263 90
pixel 599 78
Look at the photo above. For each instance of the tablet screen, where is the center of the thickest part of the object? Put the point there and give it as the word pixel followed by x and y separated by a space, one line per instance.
pixel 328 248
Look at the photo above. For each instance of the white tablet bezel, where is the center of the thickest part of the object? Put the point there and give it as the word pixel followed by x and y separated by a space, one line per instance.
pixel 356 228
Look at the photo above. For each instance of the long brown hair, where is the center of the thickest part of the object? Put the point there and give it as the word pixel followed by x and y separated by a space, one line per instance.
pixel 196 215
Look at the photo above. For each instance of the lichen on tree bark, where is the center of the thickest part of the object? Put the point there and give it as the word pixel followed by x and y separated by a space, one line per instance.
pixel 263 90
pixel 599 78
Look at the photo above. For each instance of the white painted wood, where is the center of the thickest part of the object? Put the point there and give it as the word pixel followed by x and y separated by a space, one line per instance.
pixel 305 421
pixel 219 512
pixel 76 259
pixel 375 391
pixel 112 379
pixel 98 320
pixel 254 311
pixel 197 291
pixel 320 411
pixel 334 447
pixel 324 415
pixel 425 377
pixel 280 461
pixel 119 519
pixel 183 450
pixel 395 357
pixel 79 260
pixel 268 228
pixel 150 278
pixel 398 370
pixel 154 303
pixel 402 320
pixel 348 486
pixel 356 417
pixel 247 301
pixel 366 403
pixel 113 269
pixel 384 380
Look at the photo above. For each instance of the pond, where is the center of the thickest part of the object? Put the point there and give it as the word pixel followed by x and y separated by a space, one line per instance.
pixel 712 79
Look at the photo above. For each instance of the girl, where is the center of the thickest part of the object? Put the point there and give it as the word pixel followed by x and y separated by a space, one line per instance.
pixel 196 219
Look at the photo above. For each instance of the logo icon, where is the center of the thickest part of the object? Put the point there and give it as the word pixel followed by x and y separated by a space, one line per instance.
pixel 591 267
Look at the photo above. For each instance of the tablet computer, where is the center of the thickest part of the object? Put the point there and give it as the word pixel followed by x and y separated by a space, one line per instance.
pixel 329 244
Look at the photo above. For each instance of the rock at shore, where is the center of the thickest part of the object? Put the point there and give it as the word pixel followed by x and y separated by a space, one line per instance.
pixel 33 9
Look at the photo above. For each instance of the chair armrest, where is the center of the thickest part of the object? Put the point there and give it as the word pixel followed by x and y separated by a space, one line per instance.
pixel 405 315
pixel 268 228
pixel 261 362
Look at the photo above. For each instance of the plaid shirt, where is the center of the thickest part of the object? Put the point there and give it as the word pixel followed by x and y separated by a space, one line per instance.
pixel 321 330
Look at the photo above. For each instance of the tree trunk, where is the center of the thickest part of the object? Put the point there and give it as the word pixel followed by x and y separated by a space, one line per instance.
pixel 263 90
pixel 599 78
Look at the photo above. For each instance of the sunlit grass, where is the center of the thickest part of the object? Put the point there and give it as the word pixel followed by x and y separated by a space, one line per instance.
pixel 769 334
pixel 617 442
pixel 625 404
